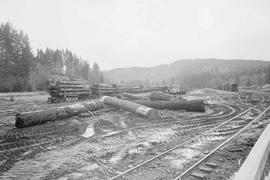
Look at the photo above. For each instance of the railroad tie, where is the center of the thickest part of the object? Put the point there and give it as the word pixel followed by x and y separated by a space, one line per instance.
pixel 213 165
pixel 205 169
pixel 198 175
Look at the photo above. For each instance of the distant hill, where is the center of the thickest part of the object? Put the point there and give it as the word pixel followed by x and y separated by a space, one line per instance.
pixel 182 69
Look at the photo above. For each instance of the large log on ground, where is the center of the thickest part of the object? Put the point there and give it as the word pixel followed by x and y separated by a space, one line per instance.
pixel 32 118
pixel 134 97
pixel 159 96
pixel 131 106
pixel 194 105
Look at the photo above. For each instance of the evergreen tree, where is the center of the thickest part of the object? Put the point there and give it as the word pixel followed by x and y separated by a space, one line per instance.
pixel 19 68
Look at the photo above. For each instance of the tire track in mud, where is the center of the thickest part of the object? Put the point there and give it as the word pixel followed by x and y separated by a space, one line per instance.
pixel 109 142
pixel 254 112
pixel 44 131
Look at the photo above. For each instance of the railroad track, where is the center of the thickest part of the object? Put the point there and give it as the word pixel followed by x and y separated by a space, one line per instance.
pixel 197 164
pixel 47 135
pixel 33 136
pixel 219 130
pixel 48 140
pixel 185 124
pixel 49 129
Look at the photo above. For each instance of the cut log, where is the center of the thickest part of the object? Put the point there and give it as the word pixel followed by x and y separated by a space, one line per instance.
pixel 131 106
pixel 134 97
pixel 32 118
pixel 71 82
pixel 72 86
pixel 74 93
pixel 159 96
pixel 195 105
pixel 68 90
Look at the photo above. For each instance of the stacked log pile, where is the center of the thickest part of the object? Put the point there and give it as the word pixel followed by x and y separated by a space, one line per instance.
pixel 62 90
pixel 128 89
pixel 178 92
pixel 99 90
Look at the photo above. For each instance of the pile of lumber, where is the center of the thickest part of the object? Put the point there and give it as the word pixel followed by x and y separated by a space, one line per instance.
pixel 62 90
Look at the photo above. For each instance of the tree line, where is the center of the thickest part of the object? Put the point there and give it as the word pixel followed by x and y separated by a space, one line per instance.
pixel 211 78
pixel 214 78
pixel 21 70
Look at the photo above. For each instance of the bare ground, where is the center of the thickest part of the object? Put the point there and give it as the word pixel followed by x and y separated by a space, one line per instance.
pixel 104 145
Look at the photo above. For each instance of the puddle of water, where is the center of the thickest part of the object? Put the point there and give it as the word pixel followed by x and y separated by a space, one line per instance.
pixel 184 155
pixel 161 135
pixel 187 153
pixel 90 167
pixel 107 130
pixel 123 124
pixel 133 151
pixel 203 141
pixel 178 163
pixel 119 156
pixel 89 132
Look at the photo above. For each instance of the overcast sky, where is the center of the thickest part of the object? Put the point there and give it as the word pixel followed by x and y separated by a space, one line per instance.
pixel 123 33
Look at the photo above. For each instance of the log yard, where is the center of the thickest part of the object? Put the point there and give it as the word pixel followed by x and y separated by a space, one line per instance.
pixel 134 90
pixel 117 132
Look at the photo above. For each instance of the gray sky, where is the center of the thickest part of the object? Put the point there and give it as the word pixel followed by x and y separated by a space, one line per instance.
pixel 122 33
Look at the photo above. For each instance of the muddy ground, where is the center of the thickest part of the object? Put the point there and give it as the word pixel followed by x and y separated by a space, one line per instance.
pixel 103 145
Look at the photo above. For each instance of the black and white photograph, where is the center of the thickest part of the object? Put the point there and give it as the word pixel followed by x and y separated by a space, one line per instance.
pixel 134 90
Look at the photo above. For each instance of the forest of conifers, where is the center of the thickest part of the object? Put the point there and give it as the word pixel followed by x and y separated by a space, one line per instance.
pixel 22 70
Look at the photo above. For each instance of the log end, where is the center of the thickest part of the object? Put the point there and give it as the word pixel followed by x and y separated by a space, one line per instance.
pixel 19 122
pixel 202 106
pixel 149 112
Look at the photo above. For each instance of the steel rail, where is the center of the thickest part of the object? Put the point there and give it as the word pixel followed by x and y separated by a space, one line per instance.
pixel 246 105
pixel 175 147
pixel 220 146
pixel 168 123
